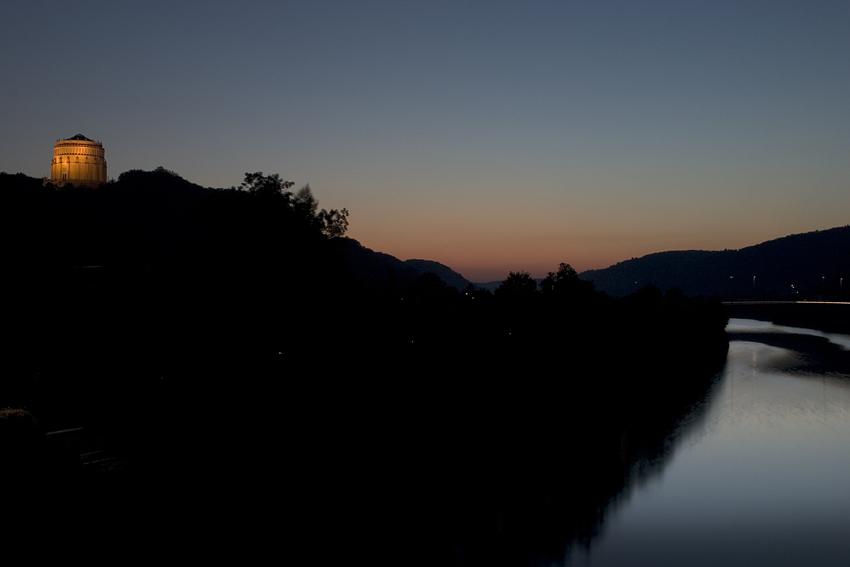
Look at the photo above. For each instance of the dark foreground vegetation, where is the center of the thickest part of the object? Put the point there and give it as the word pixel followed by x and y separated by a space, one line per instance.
pixel 265 393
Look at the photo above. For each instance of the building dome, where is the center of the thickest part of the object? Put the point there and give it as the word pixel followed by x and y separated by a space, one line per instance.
pixel 79 161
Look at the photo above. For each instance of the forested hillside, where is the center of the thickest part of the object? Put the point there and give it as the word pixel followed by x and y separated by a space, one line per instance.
pixel 811 265
pixel 220 341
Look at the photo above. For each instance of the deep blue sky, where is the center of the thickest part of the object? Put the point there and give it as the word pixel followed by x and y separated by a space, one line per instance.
pixel 490 136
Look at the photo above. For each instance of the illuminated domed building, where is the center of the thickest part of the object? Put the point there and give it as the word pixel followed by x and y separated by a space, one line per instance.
pixel 79 161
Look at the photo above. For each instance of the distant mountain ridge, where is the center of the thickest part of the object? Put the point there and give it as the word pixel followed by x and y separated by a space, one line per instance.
pixel 807 265
pixel 375 269
pixel 448 275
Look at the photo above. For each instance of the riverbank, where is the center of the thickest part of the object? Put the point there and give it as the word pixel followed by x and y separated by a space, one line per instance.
pixel 761 480
pixel 816 352
pixel 827 317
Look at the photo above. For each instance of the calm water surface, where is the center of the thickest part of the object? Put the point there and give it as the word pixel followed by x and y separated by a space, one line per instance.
pixel 762 479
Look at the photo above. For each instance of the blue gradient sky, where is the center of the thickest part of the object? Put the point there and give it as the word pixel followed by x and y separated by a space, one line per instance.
pixel 490 136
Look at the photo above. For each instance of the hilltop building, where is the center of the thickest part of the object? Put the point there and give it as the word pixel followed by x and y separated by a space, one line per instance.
pixel 79 161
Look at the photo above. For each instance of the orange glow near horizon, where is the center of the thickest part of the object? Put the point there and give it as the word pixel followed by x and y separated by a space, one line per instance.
pixel 485 242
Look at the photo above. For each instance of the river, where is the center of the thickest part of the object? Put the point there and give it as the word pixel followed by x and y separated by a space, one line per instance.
pixel 760 477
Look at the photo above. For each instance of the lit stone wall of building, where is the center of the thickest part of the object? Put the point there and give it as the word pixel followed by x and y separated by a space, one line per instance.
pixel 78 160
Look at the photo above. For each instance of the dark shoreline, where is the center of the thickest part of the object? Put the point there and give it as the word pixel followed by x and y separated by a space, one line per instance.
pixel 829 318
pixel 237 366
pixel 815 355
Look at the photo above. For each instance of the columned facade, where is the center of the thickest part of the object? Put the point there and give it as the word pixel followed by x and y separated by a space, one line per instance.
pixel 79 161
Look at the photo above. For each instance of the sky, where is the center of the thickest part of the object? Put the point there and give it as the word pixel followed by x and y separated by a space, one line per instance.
pixel 489 136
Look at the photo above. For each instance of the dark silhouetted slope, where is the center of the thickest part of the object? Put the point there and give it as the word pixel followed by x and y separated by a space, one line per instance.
pixel 213 337
pixel 809 265
pixel 379 270
pixel 449 276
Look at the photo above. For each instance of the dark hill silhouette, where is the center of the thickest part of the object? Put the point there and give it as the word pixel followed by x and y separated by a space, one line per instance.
pixel 215 338
pixel 800 266
pixel 449 276
pixel 378 270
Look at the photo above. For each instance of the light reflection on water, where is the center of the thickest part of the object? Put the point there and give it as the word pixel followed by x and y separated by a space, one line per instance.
pixel 763 479
pixel 752 325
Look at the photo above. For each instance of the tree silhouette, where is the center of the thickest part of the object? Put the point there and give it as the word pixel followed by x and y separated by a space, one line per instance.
pixel 260 184
pixel 304 201
pixel 334 222
pixel 565 276
pixel 517 284
pixel 303 204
